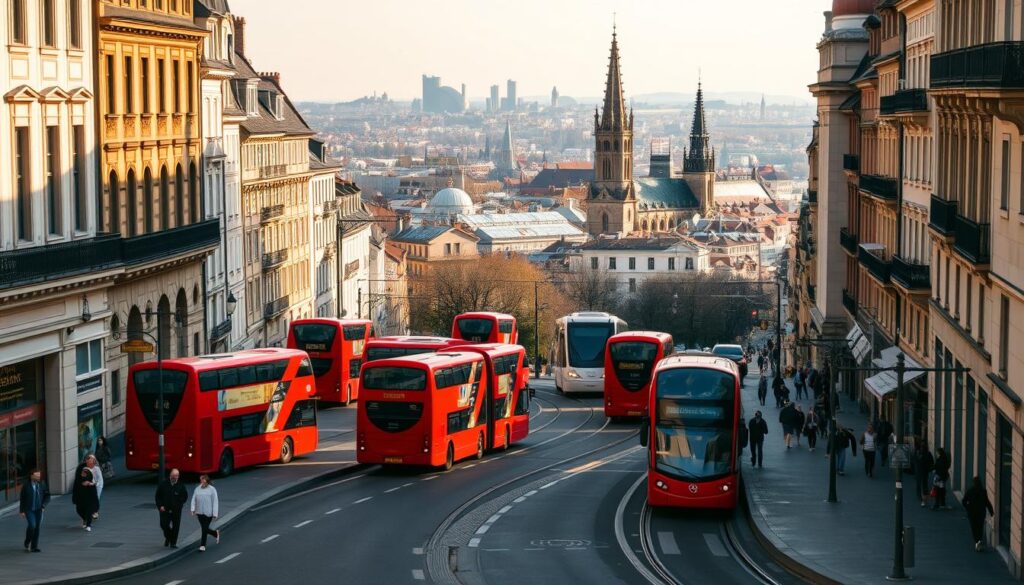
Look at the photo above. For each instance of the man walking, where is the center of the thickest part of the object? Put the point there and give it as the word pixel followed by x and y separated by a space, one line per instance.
pixel 758 428
pixel 34 499
pixel 791 423
pixel 884 431
pixel 171 496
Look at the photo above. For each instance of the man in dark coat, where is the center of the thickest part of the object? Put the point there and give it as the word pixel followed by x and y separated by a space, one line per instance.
pixel 976 503
pixel 34 499
pixel 757 429
pixel 171 496
pixel 791 421
pixel 884 430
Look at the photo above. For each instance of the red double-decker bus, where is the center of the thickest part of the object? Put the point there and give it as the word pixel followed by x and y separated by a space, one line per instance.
pixel 221 411
pixel 429 409
pixel 335 348
pixel 629 361
pixel 509 420
pixel 380 348
pixel 483 327
pixel 692 433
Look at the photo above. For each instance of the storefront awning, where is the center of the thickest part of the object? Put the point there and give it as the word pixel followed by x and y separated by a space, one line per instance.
pixel 859 343
pixel 883 383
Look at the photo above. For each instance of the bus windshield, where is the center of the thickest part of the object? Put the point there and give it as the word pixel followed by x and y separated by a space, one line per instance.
pixel 586 344
pixel 476 329
pixel 694 423
pixel 147 390
pixel 633 362
pixel 381 353
pixel 394 378
pixel 315 336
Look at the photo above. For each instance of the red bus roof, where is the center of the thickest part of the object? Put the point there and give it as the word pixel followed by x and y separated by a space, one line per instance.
pixel 428 361
pixel 659 336
pixel 415 341
pixel 491 349
pixel 226 360
pixel 331 321
pixel 698 361
pixel 479 314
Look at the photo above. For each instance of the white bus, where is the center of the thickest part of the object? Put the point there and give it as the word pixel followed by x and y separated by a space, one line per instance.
pixel 577 358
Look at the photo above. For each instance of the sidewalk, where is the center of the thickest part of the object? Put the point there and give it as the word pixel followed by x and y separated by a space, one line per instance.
pixel 850 541
pixel 126 538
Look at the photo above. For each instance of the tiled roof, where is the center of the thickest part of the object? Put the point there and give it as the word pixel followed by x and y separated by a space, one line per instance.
pixel 208 7
pixel 664 193
pixel 420 234
pixel 265 122
pixel 149 17
pixel 559 177
pixel 653 243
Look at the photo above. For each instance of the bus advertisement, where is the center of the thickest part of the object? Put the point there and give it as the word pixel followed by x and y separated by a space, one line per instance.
pixel 628 364
pixel 335 348
pixel 509 421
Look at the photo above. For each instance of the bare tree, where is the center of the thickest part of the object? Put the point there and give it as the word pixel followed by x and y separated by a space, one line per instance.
pixel 591 290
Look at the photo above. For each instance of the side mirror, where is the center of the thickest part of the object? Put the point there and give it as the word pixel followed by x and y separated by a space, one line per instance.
pixel 645 430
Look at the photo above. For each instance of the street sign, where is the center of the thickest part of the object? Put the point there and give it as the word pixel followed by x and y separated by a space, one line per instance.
pixel 900 456
pixel 136 345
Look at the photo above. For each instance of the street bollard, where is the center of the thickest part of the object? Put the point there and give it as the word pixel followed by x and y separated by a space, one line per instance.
pixel 908 546
pixel 453 559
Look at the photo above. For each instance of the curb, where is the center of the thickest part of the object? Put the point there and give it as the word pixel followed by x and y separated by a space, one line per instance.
pixel 781 552
pixel 160 559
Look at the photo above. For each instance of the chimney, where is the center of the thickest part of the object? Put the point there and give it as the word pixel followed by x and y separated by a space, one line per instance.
pixel 828 21
pixel 271 76
pixel 240 35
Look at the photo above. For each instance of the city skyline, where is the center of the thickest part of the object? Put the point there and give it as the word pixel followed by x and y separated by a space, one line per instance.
pixel 446 44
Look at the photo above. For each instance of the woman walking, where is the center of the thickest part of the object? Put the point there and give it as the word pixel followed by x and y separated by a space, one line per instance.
pixel 811 429
pixel 206 507
pixel 941 477
pixel 800 422
pixel 104 457
pixel 83 496
pixel 762 388
pixel 868 441
pixel 923 465
pixel 97 477
pixel 976 503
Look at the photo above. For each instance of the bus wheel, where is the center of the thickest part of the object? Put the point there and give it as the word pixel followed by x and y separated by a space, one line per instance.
pixel 227 463
pixel 480 446
pixel 287 450
pixel 504 447
pixel 449 459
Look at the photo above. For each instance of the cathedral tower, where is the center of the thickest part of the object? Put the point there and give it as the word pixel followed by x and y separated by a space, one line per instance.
pixel 699 159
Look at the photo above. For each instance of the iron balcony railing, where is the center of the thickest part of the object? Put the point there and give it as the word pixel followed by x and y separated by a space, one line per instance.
pixel 272 212
pixel 972 239
pixel 907 100
pixel 909 275
pixel 848 241
pixel 879 186
pixel 275 308
pixel 56 261
pixel 941 215
pixel 221 330
pixel 999 65
pixel 167 244
pixel 851 162
pixel 876 265
pixel 850 303
pixel 274 259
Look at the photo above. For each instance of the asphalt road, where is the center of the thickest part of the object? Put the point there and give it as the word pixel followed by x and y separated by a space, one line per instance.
pixel 558 508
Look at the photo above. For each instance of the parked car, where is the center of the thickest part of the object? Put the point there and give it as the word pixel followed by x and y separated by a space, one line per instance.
pixel 733 352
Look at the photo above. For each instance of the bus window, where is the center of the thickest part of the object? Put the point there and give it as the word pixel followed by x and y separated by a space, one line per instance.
pixel 147 388
pixel 472 329
pixel 395 378
pixel 586 344
pixel 315 336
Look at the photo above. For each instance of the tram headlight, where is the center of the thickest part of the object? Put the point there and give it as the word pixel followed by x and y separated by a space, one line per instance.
pixel 572 374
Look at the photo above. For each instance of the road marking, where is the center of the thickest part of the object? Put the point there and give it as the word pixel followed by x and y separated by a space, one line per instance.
pixel 505 510
pixel 366 499
pixel 494 549
pixel 178 582
pixel 533 549
pixel 519 500
pixel 483 529
pixel 309 491
pixel 468 466
pixel 547 485
pixel 301 524
pixel 474 542
pixel 334 511
pixel 418 574
pixel 269 538
pixel 408 484
pixel 493 519
pixel 530 493
pixel 429 478
pixel 417 551
pixel 228 558
pixel 394 489
pixel 715 545
pixel 667 540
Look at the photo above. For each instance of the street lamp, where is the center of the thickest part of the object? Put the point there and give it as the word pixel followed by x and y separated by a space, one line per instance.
pixel 232 303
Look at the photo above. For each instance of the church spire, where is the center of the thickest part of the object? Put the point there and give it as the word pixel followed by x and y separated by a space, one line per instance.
pixel 614 113
pixel 700 158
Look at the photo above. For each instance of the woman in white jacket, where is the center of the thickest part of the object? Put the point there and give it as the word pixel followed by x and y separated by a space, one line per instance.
pixel 206 507
pixel 93 464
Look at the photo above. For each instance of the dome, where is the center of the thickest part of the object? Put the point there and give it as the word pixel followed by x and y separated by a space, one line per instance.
pixel 451 200
pixel 849 7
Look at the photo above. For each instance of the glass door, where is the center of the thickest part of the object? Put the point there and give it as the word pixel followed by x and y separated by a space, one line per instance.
pixel 18 456
pixel 1004 436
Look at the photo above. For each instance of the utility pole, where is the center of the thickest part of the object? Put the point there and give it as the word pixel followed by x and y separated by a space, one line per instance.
pixel 536 329
pixel 833 345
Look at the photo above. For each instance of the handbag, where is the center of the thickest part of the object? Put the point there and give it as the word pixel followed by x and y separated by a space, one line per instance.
pixel 934 493
pixel 107 469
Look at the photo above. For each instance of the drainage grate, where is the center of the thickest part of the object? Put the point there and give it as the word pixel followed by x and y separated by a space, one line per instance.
pixel 107 544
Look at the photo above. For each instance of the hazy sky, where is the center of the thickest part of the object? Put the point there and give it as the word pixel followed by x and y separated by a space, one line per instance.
pixel 344 49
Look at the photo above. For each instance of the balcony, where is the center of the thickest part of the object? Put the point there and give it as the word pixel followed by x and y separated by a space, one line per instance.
pixel 905 101
pixel 941 215
pixel 850 303
pixel 57 261
pixel 848 241
pixel 167 244
pixel 913 277
pixel 275 308
pixel 869 255
pixel 997 65
pixel 271 171
pixel 851 162
pixel 812 196
pixel 879 186
pixel 972 239
pixel 272 260
pixel 221 330
pixel 271 213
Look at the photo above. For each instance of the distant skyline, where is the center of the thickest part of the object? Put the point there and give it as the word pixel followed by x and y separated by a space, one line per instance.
pixel 327 50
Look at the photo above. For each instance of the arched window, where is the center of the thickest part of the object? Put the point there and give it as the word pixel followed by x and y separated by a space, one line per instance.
pixel 606 169
pixel 163 324
pixel 132 200
pixel 147 200
pixel 671 224
pixel 193 192
pixel 643 225
pixel 604 223
pixel 181 321
pixel 179 196
pixel 661 225
pixel 607 146
pixel 165 199
pixel 114 218
pixel 135 332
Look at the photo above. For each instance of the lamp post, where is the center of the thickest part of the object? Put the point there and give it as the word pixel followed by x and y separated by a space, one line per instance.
pixel 833 346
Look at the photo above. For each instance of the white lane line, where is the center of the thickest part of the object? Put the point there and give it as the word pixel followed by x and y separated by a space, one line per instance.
pixel 178 582
pixel 547 485
pixel 429 478
pixel 519 500
pixel 334 511
pixel 228 558
pixel 493 519
pixel 394 489
pixel 417 551
pixel 494 549
pixel 269 538
pixel 533 549
pixel 474 542
pixel 530 493
pixel 483 529
pixel 667 540
pixel 309 491
pixel 408 484
pixel 303 523
pixel 715 545
pixel 469 466
pixel 361 500
pixel 418 574
pixel 505 510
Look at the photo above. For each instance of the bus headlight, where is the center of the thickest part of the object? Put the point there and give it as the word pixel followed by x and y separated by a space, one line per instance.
pixel 661 484
pixel 572 374
pixel 725 488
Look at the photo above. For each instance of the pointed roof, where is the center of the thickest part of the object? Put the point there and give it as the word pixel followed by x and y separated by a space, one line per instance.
pixel 699 128
pixel 614 113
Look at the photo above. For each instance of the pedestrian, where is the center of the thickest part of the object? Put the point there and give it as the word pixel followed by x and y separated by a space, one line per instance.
pixel 885 431
pixel 777 389
pixel 206 508
pixel 760 361
pixel 789 418
pixel 757 428
pixel 171 496
pixel 868 441
pixel 83 495
pixel 844 440
pixel 104 457
pixel 976 503
pixel 940 478
pixel 799 385
pixel 800 419
pixel 97 476
pixel 34 499
pixel 811 429
pixel 923 465
pixel 762 388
